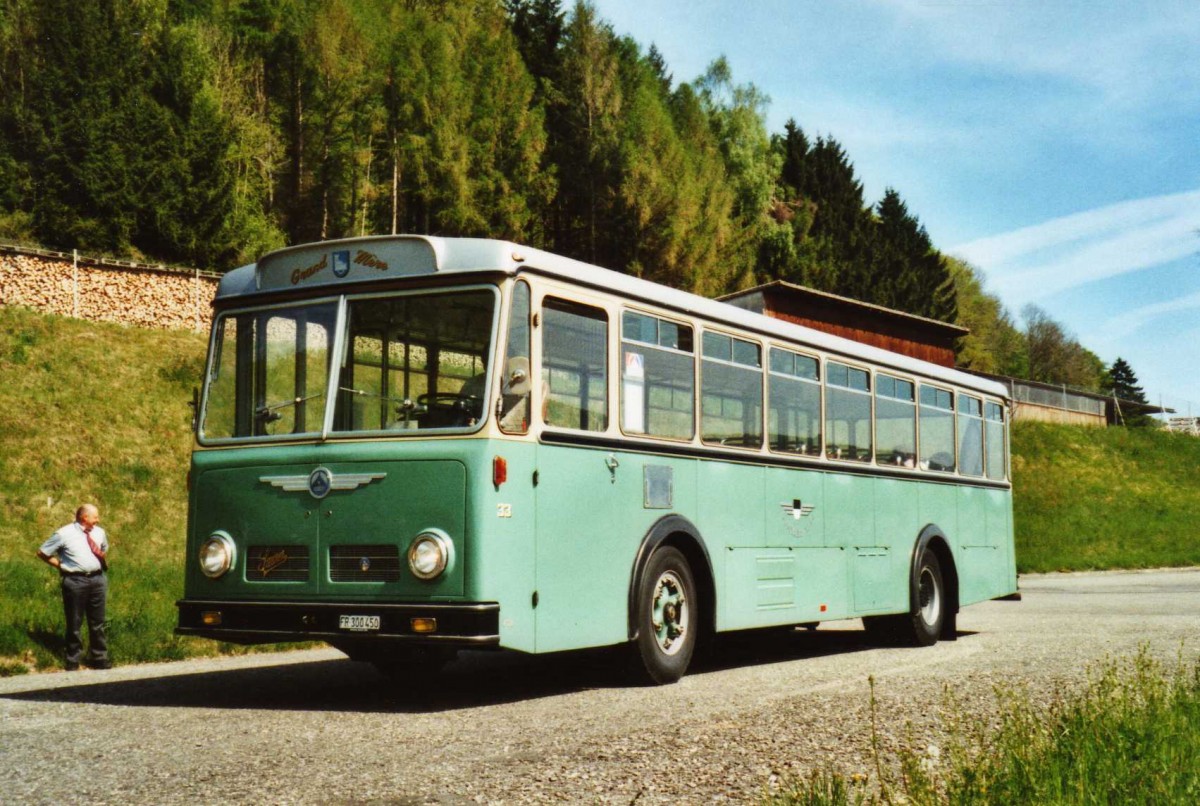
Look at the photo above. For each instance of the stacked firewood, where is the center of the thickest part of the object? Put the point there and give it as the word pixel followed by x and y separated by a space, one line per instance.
pixel 131 294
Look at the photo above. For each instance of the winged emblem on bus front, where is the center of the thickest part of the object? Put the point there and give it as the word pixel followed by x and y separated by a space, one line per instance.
pixel 797 508
pixel 321 482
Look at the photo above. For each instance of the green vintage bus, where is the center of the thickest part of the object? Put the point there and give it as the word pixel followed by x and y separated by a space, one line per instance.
pixel 410 445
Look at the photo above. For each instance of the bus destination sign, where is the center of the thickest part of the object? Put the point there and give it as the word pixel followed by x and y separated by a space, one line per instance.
pixel 359 260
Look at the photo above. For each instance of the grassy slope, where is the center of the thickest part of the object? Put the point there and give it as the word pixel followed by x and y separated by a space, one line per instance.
pixel 93 412
pixel 1104 498
pixel 98 412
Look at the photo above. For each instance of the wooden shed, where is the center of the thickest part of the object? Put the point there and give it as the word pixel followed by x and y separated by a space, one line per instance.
pixel 916 336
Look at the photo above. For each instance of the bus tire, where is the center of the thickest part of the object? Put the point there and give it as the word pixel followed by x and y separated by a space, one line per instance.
pixel 668 618
pixel 924 625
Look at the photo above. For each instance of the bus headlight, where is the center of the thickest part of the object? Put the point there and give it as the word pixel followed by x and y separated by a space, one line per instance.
pixel 217 555
pixel 429 554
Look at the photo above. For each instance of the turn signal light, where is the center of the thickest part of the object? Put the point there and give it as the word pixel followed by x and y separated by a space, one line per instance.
pixel 423 625
pixel 210 618
pixel 499 470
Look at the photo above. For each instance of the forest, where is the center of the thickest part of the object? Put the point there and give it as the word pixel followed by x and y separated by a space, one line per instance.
pixel 206 132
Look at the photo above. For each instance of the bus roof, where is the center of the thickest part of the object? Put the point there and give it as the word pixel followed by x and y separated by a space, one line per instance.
pixel 344 263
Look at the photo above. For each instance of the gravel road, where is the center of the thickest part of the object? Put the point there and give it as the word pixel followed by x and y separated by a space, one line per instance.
pixel 308 727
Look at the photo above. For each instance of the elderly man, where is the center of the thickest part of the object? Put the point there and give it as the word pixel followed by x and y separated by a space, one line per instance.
pixel 79 552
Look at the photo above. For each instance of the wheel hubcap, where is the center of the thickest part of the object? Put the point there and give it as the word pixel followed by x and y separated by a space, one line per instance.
pixel 669 613
pixel 930 597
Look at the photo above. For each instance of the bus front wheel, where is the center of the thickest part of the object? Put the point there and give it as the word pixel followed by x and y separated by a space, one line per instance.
pixel 668 618
pixel 922 626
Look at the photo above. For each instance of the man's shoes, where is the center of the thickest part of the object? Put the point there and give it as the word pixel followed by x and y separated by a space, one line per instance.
pixel 72 667
pixel 100 664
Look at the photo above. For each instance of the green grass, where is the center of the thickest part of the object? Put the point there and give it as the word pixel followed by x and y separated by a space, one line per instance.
pixel 1132 736
pixel 94 412
pixel 1090 498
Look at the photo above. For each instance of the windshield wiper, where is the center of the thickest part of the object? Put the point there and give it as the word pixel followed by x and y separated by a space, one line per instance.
pixel 365 393
pixel 270 413
pixel 404 405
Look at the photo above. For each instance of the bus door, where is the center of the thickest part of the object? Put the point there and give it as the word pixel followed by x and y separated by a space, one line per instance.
pixel 583 537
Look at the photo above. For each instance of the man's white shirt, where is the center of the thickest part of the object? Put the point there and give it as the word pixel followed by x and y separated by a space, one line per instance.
pixel 70 543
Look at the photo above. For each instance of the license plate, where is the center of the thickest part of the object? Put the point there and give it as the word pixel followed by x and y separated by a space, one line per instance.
pixel 359 623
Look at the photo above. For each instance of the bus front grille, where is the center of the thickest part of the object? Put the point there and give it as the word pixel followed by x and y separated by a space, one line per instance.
pixel 277 564
pixel 364 563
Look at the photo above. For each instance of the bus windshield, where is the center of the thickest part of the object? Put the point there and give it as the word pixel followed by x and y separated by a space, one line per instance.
pixel 413 363
pixel 416 362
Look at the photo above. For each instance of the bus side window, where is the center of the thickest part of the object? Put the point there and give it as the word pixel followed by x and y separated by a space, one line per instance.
pixel 794 392
pixel 847 413
pixel 731 391
pixel 937 429
pixel 515 381
pixel 574 366
pixel 970 436
pixel 657 377
pixel 994 431
pixel 895 421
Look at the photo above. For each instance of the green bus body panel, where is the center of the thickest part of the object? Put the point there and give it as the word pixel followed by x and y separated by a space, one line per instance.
pixel 555 545
pixel 590 524
pixel 846 551
pixel 430 484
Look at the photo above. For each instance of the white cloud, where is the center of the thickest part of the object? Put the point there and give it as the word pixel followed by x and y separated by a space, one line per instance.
pixel 1034 262
pixel 1126 52
pixel 865 124
pixel 1130 322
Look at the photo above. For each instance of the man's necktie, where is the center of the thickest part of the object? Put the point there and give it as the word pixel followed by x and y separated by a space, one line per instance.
pixel 87 532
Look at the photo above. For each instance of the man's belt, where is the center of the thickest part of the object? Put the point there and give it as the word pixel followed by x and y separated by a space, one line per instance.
pixel 81 573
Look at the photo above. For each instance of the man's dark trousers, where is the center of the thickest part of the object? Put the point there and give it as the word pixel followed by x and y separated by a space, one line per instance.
pixel 85 596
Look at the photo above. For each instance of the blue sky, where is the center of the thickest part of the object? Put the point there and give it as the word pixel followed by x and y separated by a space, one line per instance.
pixel 1055 145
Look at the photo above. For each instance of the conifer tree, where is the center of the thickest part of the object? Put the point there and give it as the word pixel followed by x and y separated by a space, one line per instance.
pixel 538 26
pixel 584 127
pixel 904 271
pixel 1122 383
pixel 673 198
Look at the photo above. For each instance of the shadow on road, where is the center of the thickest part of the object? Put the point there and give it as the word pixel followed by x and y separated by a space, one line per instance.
pixel 475 679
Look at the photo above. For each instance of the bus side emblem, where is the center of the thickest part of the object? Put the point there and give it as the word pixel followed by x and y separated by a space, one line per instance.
pixel 364 564
pixel 321 482
pixel 797 509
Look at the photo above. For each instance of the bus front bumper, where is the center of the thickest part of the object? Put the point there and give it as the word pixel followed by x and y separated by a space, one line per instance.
pixel 474 624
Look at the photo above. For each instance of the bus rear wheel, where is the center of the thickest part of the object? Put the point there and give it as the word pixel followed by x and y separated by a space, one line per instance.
pixel 923 626
pixel 667 618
